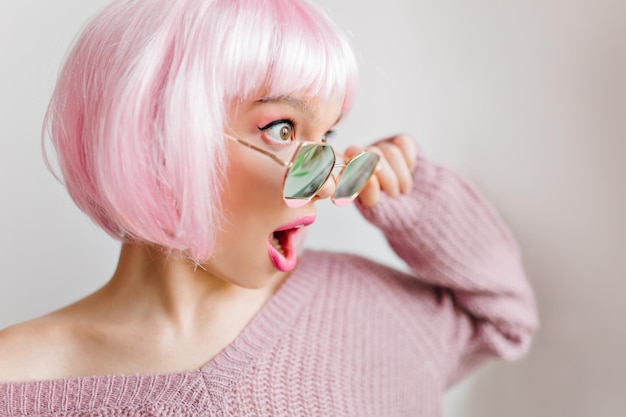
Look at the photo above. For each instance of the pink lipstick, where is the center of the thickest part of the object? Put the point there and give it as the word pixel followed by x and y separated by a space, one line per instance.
pixel 282 243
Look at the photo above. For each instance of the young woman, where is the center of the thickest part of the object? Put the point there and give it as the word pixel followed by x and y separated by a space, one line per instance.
pixel 197 132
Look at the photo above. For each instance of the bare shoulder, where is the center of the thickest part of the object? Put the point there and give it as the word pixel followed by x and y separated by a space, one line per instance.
pixel 35 349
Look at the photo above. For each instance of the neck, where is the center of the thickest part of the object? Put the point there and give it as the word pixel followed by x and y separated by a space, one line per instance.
pixel 165 288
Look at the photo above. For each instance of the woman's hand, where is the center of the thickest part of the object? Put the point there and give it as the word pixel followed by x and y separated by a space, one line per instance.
pixel 393 174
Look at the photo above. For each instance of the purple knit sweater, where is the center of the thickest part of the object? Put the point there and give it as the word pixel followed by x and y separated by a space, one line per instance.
pixel 345 336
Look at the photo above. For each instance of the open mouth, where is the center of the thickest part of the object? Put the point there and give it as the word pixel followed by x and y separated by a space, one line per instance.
pixel 279 239
pixel 283 244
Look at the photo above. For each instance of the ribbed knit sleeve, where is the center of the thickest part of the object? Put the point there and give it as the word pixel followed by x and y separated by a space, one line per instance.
pixel 454 241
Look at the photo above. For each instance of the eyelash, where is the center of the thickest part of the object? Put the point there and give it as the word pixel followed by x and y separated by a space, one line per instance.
pixel 326 138
pixel 275 123
pixel 329 135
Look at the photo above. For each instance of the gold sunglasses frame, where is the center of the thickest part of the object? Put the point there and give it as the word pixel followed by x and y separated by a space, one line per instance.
pixel 299 202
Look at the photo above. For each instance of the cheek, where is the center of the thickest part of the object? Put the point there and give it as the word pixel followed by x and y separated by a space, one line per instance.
pixel 252 205
pixel 251 183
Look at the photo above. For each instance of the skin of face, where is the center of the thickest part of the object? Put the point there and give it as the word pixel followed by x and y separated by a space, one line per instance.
pixel 253 206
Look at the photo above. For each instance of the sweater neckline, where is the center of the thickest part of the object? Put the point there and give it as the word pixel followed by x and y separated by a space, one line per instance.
pixel 272 320
pixel 187 388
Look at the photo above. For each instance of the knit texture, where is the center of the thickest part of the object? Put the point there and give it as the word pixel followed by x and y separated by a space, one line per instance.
pixel 345 336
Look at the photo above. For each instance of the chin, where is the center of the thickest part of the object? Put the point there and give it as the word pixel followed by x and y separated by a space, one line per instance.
pixel 263 281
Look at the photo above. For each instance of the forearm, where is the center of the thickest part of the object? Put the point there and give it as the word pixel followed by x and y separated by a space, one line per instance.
pixel 454 240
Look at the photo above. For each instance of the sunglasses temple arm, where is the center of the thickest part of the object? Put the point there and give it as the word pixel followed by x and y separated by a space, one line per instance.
pixel 263 151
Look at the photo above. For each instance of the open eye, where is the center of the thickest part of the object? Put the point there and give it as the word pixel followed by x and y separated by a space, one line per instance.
pixel 328 136
pixel 281 131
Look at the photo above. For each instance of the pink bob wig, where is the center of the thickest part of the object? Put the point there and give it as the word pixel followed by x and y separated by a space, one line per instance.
pixel 138 114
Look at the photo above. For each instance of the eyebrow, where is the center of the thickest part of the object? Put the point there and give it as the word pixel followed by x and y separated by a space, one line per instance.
pixel 301 105
pixel 296 103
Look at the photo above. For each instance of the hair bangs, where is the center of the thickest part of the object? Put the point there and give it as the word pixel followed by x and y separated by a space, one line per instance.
pixel 281 47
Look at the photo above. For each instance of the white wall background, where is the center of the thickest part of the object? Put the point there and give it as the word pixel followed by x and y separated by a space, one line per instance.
pixel 526 97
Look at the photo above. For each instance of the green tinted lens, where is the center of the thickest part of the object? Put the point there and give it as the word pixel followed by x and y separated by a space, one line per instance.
pixel 311 168
pixel 355 175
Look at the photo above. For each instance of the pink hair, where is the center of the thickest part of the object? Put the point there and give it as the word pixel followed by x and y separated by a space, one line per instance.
pixel 139 110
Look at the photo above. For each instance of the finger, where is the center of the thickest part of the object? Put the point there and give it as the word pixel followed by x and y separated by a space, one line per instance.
pixel 370 194
pixel 385 174
pixel 351 151
pixel 408 147
pixel 397 161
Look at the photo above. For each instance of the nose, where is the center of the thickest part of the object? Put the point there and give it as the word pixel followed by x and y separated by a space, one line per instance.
pixel 327 190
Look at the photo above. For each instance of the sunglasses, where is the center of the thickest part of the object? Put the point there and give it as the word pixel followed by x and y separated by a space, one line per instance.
pixel 311 166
